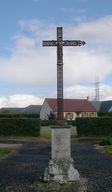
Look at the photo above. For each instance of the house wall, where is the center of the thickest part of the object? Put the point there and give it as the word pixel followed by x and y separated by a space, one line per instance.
pixel 74 115
pixel 45 110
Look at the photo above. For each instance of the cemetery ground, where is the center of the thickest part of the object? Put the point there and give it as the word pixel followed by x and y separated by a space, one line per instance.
pixel 21 169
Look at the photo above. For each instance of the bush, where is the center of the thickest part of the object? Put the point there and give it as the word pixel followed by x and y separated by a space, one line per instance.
pixel 104 114
pixel 106 141
pixel 94 126
pixel 19 127
pixel 18 115
pixel 48 122
pixel 71 122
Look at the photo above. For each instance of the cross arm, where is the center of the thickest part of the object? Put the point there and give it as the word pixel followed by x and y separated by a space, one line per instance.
pixel 50 43
pixel 73 43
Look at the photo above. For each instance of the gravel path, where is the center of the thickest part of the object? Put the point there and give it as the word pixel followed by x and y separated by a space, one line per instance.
pixel 25 166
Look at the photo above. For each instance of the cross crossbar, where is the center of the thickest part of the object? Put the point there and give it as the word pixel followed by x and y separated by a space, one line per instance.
pixel 64 43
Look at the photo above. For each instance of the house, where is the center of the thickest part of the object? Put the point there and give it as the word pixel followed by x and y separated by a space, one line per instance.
pixel 72 108
pixel 102 106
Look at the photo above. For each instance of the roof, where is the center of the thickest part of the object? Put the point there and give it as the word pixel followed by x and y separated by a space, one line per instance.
pixel 73 105
pixel 96 104
pixel 32 109
pixel 28 109
pixel 106 105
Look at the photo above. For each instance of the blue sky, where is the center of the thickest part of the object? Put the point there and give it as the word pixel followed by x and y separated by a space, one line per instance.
pixel 28 70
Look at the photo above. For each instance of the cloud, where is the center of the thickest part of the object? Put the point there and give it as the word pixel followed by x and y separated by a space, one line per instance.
pixel 74 91
pixel 83 91
pixel 31 64
pixel 96 31
pixel 18 100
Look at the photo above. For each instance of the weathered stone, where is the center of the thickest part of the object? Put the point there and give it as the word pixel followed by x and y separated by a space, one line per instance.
pixel 76 186
pixel 60 142
pixel 61 166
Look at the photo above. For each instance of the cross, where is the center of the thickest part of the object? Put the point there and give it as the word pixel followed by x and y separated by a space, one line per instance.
pixel 59 43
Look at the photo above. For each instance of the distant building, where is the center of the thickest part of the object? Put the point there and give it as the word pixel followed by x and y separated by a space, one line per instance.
pixel 106 106
pixel 102 106
pixel 28 109
pixel 72 108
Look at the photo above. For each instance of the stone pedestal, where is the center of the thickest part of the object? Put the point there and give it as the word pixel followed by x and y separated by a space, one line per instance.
pixel 61 166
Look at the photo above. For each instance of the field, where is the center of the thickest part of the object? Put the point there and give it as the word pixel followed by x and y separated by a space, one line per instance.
pixel 46 132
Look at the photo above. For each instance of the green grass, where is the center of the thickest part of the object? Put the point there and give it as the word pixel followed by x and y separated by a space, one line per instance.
pixel 4 151
pixel 106 140
pixel 108 149
pixel 46 132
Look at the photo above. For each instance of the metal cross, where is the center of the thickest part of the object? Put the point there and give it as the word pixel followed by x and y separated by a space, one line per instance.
pixel 59 43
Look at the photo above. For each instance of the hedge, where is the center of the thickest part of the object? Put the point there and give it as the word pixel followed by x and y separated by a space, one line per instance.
pixel 19 127
pixel 54 122
pixel 18 115
pixel 48 122
pixel 104 114
pixel 101 126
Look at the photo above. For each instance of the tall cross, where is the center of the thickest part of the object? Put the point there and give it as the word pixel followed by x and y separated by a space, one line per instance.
pixel 59 43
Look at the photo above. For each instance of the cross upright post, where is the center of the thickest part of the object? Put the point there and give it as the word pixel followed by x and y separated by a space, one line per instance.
pixel 59 44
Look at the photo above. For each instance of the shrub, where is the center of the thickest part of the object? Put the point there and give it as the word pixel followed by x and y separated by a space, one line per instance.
pixel 106 141
pixel 48 122
pixel 104 114
pixel 94 126
pixel 18 115
pixel 71 122
pixel 19 127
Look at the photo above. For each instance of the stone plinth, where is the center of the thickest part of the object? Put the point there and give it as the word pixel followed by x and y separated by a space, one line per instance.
pixel 60 142
pixel 61 166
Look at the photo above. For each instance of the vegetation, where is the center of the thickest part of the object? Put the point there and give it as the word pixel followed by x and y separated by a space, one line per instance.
pixel 19 127
pixel 108 149
pixel 4 151
pixel 101 126
pixel 106 141
pixel 18 115
pixel 104 114
pixel 46 131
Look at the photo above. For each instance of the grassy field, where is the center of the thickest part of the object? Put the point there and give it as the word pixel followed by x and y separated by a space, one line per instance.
pixel 4 151
pixel 46 132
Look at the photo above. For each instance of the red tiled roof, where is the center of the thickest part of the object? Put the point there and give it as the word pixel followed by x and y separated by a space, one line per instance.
pixel 72 105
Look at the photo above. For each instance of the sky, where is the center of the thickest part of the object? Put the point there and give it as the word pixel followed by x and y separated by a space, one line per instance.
pixel 28 70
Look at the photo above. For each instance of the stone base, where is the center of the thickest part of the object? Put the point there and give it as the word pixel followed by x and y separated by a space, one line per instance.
pixel 76 186
pixel 61 171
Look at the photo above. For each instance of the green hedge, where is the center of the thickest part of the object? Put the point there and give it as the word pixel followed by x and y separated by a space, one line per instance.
pixel 54 122
pixel 19 127
pixel 48 122
pixel 18 115
pixel 94 126
pixel 104 114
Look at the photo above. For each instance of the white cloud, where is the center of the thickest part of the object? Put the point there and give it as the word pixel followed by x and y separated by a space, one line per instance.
pixel 18 100
pixel 96 31
pixel 32 64
pixel 83 91
pixel 76 91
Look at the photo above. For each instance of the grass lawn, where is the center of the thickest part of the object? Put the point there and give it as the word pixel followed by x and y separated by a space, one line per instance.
pixel 4 151
pixel 46 132
pixel 108 149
